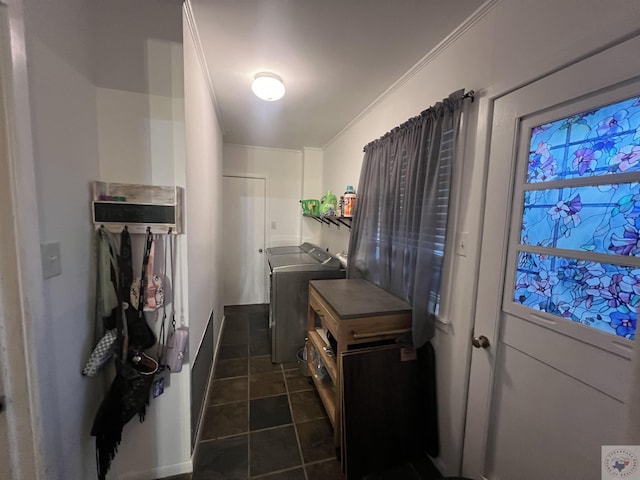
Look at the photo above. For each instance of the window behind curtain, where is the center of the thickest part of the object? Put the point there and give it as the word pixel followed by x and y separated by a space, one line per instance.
pixel 388 233
pixel 399 228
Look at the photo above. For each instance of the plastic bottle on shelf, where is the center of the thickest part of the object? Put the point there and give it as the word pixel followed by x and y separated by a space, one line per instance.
pixel 349 202
pixel 340 210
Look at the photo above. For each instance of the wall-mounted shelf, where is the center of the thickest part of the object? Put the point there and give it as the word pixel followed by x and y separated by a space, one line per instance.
pixel 137 207
pixel 331 219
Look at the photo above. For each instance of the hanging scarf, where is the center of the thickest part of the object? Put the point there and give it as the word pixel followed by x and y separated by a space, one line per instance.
pixel 107 297
pixel 129 391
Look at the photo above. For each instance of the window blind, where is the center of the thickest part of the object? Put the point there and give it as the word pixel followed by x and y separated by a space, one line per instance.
pixel 398 235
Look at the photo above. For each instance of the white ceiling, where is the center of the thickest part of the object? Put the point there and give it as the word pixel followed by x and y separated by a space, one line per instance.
pixel 334 56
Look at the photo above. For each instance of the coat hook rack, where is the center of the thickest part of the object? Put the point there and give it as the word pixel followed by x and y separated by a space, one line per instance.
pixel 138 208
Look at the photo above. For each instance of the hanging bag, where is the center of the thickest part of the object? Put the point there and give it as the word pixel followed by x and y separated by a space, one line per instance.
pixel 179 337
pixel 177 348
pixel 141 336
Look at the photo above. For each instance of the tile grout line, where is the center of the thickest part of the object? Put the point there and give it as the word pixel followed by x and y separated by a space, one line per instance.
pixel 265 475
pixel 248 401
pixel 288 392
pixel 295 428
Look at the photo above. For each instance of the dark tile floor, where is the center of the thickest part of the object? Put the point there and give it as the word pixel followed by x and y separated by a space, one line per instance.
pixel 266 421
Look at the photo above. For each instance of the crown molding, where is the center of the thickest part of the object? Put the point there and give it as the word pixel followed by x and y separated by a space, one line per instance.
pixel 195 35
pixel 474 18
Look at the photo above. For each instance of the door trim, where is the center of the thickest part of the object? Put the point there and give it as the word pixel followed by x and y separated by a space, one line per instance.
pixel 267 203
pixel 22 305
pixel 505 110
pixel 266 232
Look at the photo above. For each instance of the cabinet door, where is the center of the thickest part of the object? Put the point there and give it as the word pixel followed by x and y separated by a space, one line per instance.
pixel 385 409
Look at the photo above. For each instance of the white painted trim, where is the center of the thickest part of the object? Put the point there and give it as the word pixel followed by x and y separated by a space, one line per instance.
pixel 20 216
pixel 455 191
pixel 160 472
pixel 267 216
pixel 474 18
pixel 202 338
pixel 195 35
pixel 273 149
pixel 246 175
pixel 208 391
pixel 492 275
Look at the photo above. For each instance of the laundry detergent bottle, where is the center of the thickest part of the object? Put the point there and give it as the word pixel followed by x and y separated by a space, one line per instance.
pixel 349 202
pixel 328 203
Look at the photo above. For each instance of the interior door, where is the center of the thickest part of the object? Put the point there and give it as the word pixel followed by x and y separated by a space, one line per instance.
pixel 555 317
pixel 244 240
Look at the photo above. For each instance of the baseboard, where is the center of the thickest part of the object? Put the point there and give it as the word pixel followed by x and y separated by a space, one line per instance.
pixel 441 466
pixel 201 367
pixel 210 379
pixel 160 472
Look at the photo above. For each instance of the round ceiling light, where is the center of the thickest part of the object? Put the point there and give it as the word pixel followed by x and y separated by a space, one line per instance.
pixel 268 86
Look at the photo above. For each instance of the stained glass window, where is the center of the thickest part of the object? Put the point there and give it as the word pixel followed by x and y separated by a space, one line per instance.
pixel 599 295
pixel 603 219
pixel 596 142
pixel 585 213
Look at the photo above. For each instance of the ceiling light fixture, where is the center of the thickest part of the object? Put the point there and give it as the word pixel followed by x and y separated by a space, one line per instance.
pixel 268 86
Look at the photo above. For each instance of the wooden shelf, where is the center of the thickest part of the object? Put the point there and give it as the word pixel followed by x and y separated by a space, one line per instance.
pixel 356 313
pixel 329 362
pixel 326 390
pixel 328 398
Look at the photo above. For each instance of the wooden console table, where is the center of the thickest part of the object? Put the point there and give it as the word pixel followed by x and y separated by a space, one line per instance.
pixel 361 383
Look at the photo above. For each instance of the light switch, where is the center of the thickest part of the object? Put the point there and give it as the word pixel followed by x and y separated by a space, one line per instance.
pixel 51 264
pixel 462 240
pixel 273 225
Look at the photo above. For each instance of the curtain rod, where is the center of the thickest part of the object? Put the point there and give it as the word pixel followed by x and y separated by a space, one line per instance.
pixel 470 94
pixel 458 93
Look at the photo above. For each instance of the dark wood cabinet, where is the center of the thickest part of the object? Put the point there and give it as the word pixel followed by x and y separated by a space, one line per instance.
pixel 370 386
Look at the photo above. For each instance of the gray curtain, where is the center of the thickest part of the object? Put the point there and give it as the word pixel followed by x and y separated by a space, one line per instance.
pixel 400 219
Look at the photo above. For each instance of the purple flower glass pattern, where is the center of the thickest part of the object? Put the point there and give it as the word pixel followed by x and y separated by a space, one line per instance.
pixel 585 218
pixel 599 295
pixel 602 219
pixel 596 142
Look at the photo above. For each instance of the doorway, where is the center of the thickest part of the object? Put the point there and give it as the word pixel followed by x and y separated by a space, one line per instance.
pixel 551 385
pixel 244 240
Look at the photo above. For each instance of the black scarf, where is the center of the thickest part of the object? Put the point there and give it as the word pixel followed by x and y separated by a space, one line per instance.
pixel 129 391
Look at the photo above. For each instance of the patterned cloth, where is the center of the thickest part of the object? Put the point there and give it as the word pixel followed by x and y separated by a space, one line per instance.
pixel 101 353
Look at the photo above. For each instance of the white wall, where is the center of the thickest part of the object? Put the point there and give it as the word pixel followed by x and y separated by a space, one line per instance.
pixel 107 102
pixel 141 139
pixel 282 170
pixel 204 198
pixel 311 189
pixel 510 44
pixel 63 115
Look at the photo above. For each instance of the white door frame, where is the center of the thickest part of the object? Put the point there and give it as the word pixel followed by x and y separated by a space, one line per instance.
pixel 267 240
pixel 611 70
pixel 21 299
